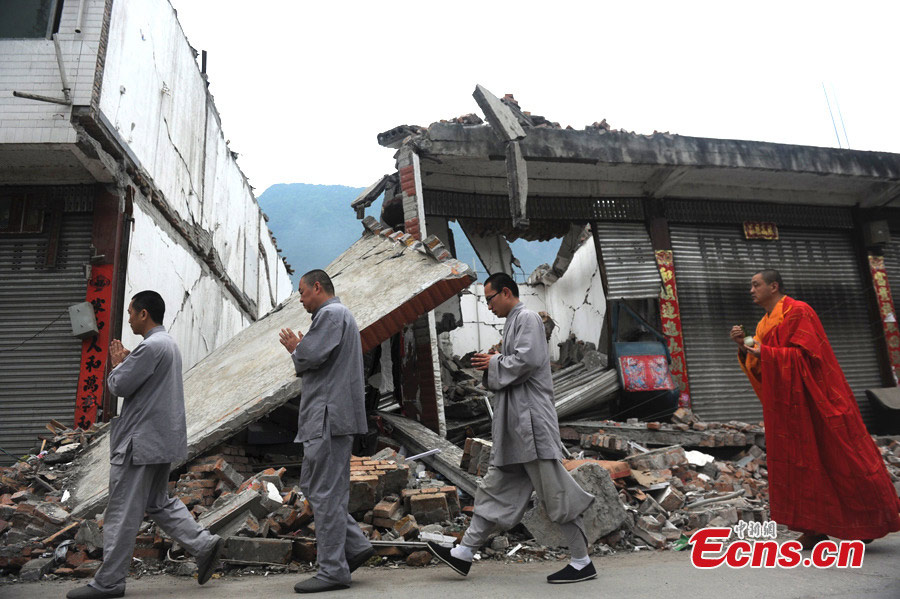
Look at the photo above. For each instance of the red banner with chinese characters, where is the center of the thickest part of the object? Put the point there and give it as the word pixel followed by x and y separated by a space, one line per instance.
pixel 767 231
pixel 886 310
pixel 670 316
pixel 95 351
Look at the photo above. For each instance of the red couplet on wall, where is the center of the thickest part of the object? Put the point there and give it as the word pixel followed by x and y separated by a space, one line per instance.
pixel 95 351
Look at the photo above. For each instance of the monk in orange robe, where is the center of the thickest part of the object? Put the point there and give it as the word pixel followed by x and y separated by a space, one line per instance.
pixel 826 476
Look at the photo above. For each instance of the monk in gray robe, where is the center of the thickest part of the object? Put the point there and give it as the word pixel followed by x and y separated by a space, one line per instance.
pixel 144 441
pixel 527 451
pixel 332 410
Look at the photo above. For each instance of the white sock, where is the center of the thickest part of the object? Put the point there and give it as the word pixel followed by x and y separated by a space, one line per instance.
pixel 580 562
pixel 462 552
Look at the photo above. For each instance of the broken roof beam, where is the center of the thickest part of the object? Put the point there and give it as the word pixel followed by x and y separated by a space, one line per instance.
pixel 501 118
pixel 492 249
pixel 506 125
pixel 387 279
pixel 418 439
pixel 369 195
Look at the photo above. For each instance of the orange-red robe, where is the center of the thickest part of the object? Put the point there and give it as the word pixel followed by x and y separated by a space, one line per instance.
pixel 825 473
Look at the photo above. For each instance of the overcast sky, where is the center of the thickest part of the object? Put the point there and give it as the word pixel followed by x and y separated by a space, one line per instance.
pixel 303 88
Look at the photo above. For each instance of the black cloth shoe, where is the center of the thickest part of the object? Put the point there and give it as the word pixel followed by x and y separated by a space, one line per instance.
pixel 89 592
pixel 360 558
pixel 570 574
pixel 317 585
pixel 442 553
pixel 207 564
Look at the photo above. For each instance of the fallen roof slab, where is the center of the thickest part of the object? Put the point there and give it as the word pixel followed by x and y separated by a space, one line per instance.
pixel 387 280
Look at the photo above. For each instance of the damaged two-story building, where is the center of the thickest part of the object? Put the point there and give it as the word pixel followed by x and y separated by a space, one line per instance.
pixel 678 225
pixel 115 176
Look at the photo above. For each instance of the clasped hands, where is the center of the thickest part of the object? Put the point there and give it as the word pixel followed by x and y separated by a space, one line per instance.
pixel 289 339
pixel 117 352
pixel 737 335
pixel 481 361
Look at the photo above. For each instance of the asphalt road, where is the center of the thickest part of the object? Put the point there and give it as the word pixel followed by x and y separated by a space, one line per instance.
pixel 651 575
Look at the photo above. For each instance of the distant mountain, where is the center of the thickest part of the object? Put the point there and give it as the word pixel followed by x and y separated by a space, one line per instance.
pixel 314 224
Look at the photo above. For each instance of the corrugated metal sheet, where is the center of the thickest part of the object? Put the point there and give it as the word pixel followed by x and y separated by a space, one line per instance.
pixel 713 267
pixel 631 269
pixel 38 380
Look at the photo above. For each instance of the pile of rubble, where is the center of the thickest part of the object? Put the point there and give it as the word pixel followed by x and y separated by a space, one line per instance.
pixel 655 484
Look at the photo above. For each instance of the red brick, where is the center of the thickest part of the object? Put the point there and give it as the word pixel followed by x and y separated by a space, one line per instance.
pixel 76 558
pixel 147 553
pixel 87 569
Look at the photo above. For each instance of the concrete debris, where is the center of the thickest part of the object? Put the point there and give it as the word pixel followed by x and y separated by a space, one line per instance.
pixel 645 497
pixel 604 516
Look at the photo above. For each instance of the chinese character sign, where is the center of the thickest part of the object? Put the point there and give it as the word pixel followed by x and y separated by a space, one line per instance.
pixel 670 316
pixel 767 231
pixel 95 350
pixel 886 311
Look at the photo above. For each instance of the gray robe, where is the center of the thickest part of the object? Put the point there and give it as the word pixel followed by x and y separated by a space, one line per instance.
pixel 525 427
pixel 329 358
pixel 152 419
pixel 332 407
pixel 149 434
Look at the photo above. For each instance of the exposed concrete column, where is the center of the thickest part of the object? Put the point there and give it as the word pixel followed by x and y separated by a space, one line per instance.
pixel 425 390
pixel 567 248
pixel 493 250
pixel 506 126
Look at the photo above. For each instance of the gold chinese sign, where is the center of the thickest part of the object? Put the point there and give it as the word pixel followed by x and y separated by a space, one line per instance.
pixel 767 231
pixel 886 311
pixel 670 316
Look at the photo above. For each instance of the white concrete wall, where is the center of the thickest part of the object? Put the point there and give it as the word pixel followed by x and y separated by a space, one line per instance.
pixel 575 302
pixel 198 314
pixel 29 65
pixel 155 98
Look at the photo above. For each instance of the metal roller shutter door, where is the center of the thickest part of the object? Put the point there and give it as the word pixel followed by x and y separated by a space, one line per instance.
pixel 39 378
pixel 713 266
pixel 631 269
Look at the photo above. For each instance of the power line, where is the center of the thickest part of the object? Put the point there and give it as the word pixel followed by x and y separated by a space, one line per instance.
pixel 828 103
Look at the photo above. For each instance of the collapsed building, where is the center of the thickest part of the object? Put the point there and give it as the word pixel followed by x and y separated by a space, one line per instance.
pixel 115 176
pixel 676 226
pixel 415 474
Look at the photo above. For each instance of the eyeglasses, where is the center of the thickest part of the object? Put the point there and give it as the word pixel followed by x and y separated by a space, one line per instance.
pixel 488 299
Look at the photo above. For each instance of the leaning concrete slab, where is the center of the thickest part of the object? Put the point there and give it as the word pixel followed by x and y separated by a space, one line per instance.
pixel 387 279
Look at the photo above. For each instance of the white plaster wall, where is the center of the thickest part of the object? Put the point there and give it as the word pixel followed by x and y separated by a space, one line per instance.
pixel 154 96
pixel 575 302
pixel 29 65
pixel 198 314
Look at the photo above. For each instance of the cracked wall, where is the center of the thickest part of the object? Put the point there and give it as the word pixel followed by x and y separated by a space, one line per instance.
pixel 156 100
pixel 575 302
pixel 198 314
